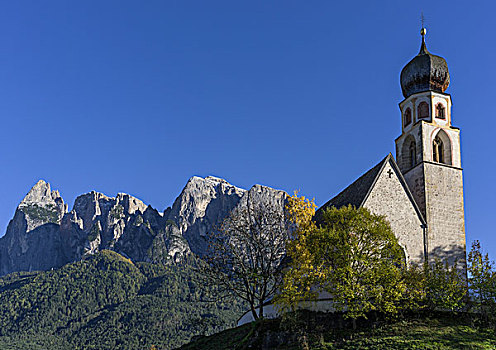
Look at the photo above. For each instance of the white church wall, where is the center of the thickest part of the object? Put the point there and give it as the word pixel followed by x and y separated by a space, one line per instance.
pixel 323 303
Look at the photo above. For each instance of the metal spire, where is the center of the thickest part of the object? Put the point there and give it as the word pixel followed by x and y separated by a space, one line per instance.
pixel 423 31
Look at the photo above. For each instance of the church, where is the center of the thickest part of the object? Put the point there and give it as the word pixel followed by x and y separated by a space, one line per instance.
pixel 421 191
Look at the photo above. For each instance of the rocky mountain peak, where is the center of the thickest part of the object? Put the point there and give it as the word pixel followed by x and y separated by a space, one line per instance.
pixel 211 184
pixel 131 204
pixel 272 201
pixel 203 204
pixel 216 180
pixel 87 208
pixel 40 206
pixel 41 194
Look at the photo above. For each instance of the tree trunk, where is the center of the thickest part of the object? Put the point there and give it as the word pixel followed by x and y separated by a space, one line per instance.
pixel 260 311
pixel 253 313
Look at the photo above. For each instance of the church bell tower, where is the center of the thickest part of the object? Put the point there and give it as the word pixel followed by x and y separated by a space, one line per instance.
pixel 428 154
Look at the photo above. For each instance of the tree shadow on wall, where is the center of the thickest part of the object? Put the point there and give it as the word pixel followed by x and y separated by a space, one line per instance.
pixel 452 254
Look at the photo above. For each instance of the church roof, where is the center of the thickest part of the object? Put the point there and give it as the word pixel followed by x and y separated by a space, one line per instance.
pixel 356 193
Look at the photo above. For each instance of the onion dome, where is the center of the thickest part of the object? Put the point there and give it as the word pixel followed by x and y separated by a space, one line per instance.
pixel 425 72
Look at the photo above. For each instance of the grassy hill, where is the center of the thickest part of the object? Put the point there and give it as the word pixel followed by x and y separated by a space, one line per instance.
pixel 435 331
pixel 108 302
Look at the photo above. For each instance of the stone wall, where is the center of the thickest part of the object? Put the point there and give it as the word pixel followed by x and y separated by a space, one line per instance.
pixel 389 198
pixel 415 180
pixel 444 212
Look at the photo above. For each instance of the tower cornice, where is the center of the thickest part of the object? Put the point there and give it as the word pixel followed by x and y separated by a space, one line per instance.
pixel 423 93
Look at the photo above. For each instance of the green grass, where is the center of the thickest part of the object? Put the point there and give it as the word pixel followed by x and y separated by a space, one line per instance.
pixel 439 331
pixel 234 338
pixel 430 333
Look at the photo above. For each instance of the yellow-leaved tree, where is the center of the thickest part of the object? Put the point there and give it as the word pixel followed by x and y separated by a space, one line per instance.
pixel 300 273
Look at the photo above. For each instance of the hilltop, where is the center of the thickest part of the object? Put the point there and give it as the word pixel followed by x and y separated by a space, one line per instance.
pixel 321 331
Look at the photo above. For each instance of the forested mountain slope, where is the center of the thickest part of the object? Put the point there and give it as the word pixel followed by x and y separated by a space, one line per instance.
pixel 108 302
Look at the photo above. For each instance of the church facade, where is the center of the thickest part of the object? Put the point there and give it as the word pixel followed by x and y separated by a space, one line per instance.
pixel 421 192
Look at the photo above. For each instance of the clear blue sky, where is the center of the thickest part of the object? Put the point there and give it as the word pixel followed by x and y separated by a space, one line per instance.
pixel 138 96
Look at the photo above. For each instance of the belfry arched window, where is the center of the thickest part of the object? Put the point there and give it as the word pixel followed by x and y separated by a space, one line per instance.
pixel 412 154
pixel 408 116
pixel 408 151
pixel 423 110
pixel 437 147
pixel 440 111
pixel 441 148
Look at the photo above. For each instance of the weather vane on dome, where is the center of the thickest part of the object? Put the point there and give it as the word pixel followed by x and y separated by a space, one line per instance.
pixel 423 31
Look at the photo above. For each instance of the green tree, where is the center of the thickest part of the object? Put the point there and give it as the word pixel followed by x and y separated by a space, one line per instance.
pixel 354 256
pixel 482 281
pixel 445 287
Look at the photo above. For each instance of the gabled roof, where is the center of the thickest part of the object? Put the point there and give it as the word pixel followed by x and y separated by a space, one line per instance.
pixel 357 193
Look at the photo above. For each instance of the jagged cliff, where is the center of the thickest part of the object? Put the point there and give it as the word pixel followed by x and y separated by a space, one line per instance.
pixel 32 240
pixel 43 234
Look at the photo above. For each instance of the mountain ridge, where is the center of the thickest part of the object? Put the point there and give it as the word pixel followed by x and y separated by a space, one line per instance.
pixel 45 234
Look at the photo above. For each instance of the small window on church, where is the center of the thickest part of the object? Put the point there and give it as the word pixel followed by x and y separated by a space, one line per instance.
pixel 440 111
pixel 408 116
pixel 423 110
pixel 437 150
